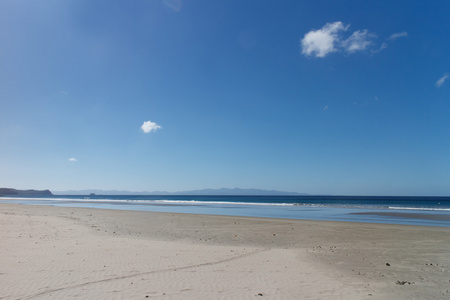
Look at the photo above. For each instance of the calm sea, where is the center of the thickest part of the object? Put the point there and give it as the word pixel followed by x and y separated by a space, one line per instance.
pixel 428 211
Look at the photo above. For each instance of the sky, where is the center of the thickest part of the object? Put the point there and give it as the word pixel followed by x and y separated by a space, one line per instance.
pixel 318 97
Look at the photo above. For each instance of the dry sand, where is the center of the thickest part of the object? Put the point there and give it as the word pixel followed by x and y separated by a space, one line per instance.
pixel 77 253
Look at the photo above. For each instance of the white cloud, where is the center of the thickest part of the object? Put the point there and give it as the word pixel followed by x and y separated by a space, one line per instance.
pixel 328 39
pixel 397 35
pixel 322 41
pixel 72 159
pixel 358 41
pixel 441 80
pixel 150 126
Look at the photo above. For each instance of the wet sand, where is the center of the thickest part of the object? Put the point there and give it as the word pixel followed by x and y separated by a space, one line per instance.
pixel 59 253
pixel 420 216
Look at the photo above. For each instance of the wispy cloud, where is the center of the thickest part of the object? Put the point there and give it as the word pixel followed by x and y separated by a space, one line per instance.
pixel 150 126
pixel 397 35
pixel 72 159
pixel 366 102
pixel 389 40
pixel 383 46
pixel 358 41
pixel 441 80
pixel 328 39
pixel 331 38
pixel 174 5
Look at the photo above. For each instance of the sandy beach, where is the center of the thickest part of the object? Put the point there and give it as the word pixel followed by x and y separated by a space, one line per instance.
pixel 79 253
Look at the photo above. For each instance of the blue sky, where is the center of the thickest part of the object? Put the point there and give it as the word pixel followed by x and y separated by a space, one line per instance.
pixel 320 97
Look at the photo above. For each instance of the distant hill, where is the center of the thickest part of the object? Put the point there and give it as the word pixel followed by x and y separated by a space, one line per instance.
pixel 14 192
pixel 212 192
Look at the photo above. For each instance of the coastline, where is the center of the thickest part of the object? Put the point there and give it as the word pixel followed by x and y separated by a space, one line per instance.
pixel 62 252
pixel 421 211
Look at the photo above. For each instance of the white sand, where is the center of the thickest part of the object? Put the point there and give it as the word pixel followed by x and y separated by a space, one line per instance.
pixel 64 253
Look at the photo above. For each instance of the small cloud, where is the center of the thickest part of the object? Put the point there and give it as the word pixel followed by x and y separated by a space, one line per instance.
pixel 321 42
pixel 397 35
pixel 328 39
pixel 441 80
pixel 325 108
pixel 150 126
pixel 72 159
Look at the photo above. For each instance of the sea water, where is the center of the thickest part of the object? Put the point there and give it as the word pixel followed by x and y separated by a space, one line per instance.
pixel 427 211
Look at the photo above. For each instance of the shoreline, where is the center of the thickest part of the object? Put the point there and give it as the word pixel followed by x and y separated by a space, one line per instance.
pixel 374 215
pixel 175 256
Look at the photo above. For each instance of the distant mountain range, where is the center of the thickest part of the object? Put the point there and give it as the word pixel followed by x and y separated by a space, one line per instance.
pixel 14 192
pixel 215 192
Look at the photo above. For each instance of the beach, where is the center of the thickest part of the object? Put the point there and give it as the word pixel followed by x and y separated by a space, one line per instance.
pixel 81 253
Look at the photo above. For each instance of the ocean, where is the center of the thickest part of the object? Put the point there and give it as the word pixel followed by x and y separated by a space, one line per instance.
pixel 426 211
